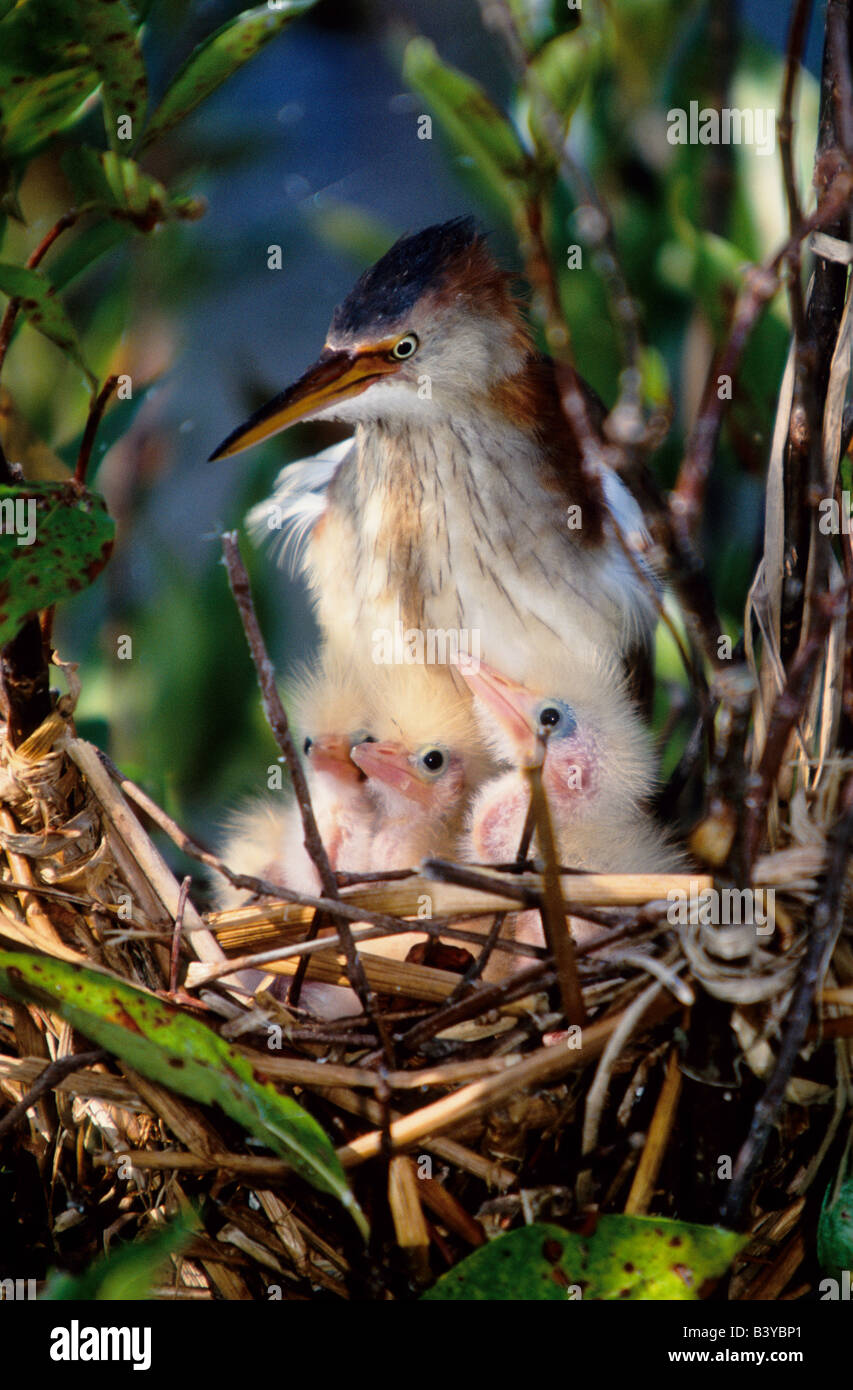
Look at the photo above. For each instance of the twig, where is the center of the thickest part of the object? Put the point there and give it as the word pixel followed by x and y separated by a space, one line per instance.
pixel 687 496
pixel 481 960
pixel 826 924
pixel 648 1169
pixel 552 908
pixel 179 928
pixel 378 929
pixel 598 226
pixel 785 127
pixel 787 710
pixel 482 1001
pixel 54 1072
pixel 838 28
pixel 815 340
pixel 475 970
pixel 545 1065
pixel 624 1026
pixel 238 580
pixel 93 420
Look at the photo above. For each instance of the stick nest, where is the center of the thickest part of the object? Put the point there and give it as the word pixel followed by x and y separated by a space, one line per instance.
pixel 459 1111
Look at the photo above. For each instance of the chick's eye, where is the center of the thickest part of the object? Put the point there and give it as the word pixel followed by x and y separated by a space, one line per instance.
pixel 361 736
pixel 433 761
pixel 307 746
pixel 553 716
pixel 407 347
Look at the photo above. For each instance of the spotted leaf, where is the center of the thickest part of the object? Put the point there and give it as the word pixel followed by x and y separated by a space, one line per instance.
pixel 220 55
pixel 40 306
pixel 54 540
pixel 167 1045
pixel 624 1257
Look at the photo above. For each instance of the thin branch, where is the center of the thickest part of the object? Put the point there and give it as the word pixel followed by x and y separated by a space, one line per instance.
pixel 785 126
pixel 183 894
pixel 597 225
pixel 93 420
pixel 238 580
pixel 553 909
pixel 373 932
pixel 807 551
pixel 787 710
pixel 54 1072
pixel 481 1001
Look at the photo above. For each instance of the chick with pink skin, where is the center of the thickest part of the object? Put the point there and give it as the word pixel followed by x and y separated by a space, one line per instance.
pixel 265 838
pixel 596 774
pixel 421 773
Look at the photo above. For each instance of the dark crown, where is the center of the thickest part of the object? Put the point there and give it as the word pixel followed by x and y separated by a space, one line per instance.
pixel 414 264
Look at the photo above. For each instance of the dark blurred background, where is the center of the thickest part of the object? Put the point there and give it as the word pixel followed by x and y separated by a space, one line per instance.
pixel 313 147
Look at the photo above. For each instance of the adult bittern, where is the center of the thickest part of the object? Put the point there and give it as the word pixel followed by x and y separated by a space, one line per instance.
pixel 460 505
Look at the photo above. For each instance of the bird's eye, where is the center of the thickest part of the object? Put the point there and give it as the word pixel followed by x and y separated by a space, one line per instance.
pixel 407 347
pixel 553 716
pixel 307 746
pixel 433 761
pixel 360 736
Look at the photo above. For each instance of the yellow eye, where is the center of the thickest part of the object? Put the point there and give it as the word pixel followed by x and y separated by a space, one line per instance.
pixel 407 347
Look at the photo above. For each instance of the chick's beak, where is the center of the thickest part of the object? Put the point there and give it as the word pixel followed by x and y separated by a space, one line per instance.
pixel 335 376
pixel 389 763
pixel 513 706
pixel 330 753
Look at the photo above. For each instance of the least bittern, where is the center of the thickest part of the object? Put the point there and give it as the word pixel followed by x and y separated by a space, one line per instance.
pixel 426 762
pixel 596 773
pixel 460 505
pixel 265 838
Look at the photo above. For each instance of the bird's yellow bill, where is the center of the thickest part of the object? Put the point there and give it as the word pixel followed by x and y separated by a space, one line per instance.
pixel 336 376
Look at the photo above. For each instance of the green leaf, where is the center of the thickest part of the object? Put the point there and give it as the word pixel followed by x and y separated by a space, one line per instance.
pixel 626 1257
pixel 835 1230
pixel 127 1273
pixel 84 170
pixel 85 249
pixel 43 108
pixel 655 377
pixel 46 76
pixel 471 121
pixel 110 34
pixel 119 187
pixel 167 1045
pixel 542 21
pixel 55 539
pixel 562 71
pixel 220 55
pixel 37 39
pixel 41 307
